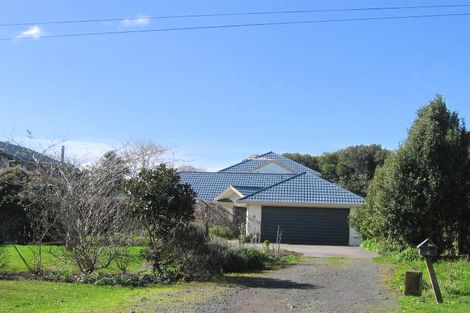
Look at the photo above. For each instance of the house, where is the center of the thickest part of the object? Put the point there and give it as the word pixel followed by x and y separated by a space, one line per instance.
pixel 12 155
pixel 275 193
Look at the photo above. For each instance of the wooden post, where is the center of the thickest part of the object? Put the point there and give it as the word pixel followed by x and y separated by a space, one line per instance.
pixel 413 283
pixel 435 284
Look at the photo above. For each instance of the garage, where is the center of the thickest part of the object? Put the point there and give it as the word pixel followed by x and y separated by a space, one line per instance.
pixel 317 226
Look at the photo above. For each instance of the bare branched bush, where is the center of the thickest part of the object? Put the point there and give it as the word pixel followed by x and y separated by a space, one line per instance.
pixel 87 206
pixel 142 155
pixel 211 213
pixel 189 168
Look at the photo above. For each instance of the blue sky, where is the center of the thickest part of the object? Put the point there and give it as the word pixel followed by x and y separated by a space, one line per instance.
pixel 217 96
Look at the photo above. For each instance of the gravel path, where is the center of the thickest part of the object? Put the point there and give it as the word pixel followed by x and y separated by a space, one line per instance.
pixel 315 285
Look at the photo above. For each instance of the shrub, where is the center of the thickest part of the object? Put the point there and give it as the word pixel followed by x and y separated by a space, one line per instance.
pixel 244 259
pixel 189 255
pixel 13 220
pixel 3 259
pixel 221 231
pixel 247 238
pixel 406 255
pixel 131 280
pixel 255 258
pixel 383 247
pixel 165 208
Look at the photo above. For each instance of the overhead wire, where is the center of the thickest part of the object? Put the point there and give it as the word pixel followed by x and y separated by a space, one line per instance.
pixel 243 25
pixel 114 19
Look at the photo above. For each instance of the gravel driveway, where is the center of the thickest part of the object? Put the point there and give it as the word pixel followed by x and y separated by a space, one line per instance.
pixel 314 285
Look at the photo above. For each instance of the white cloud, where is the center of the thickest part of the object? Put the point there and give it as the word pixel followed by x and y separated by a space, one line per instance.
pixel 32 32
pixel 85 151
pixel 138 21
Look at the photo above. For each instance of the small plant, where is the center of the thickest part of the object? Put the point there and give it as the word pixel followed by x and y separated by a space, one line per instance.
pixel 221 232
pixel 123 258
pixel 247 238
pixel 266 245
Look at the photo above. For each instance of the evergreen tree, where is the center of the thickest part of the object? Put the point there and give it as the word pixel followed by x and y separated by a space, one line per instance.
pixel 423 189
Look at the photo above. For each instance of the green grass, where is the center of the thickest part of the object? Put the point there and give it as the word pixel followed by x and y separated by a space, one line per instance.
pixel 292 259
pixel 336 260
pixel 47 297
pixel 50 261
pixel 21 296
pixel 454 281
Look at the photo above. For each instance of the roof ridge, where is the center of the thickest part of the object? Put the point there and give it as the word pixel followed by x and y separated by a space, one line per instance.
pixel 276 184
pixel 261 155
pixel 246 160
pixel 219 172
pixel 234 165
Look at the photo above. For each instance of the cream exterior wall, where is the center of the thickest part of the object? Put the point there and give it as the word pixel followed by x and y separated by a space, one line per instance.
pixel 253 219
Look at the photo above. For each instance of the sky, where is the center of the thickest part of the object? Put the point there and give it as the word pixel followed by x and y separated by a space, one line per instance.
pixel 216 96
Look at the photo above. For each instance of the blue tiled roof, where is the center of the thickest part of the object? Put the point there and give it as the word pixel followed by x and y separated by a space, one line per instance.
pixel 208 185
pixel 304 188
pixel 260 160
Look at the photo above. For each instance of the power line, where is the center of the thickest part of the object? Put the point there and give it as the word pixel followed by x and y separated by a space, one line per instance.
pixel 244 25
pixel 115 19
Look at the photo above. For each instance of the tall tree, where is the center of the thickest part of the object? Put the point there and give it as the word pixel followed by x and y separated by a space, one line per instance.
pixel 351 168
pixel 305 159
pixel 423 188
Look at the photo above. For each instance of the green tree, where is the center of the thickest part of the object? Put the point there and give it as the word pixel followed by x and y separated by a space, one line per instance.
pixel 356 166
pixel 351 168
pixel 305 159
pixel 164 206
pixel 423 189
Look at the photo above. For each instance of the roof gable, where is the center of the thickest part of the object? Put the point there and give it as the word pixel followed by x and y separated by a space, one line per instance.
pixel 256 162
pixel 234 193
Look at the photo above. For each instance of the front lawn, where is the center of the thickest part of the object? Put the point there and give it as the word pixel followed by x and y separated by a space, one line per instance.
pixel 454 281
pixel 21 295
pixel 47 297
pixel 37 296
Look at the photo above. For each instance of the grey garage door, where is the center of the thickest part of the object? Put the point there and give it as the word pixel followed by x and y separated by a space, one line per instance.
pixel 320 226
